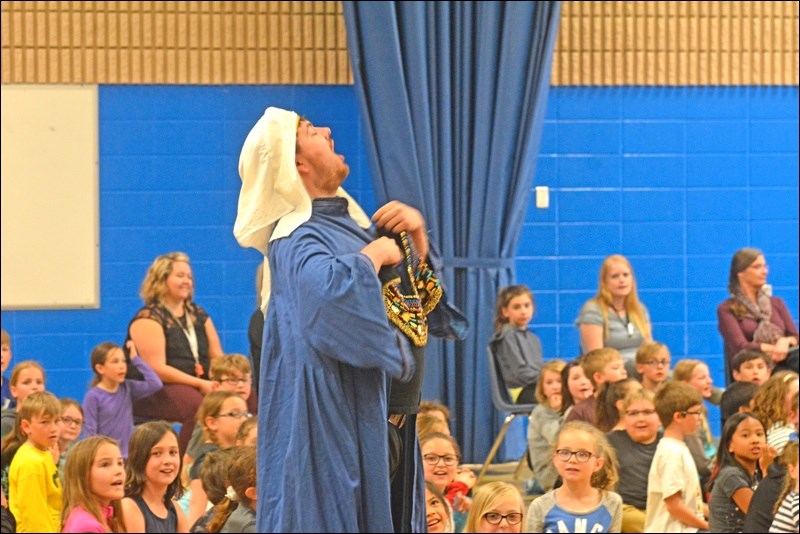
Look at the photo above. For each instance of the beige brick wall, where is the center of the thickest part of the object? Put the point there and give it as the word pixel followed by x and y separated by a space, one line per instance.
pixel 599 43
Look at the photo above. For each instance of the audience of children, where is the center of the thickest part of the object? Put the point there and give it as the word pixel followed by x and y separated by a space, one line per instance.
pixel 515 347
pixel 34 487
pixel 584 502
pixel 94 485
pixel 108 405
pixel 652 364
pixel 786 509
pixel 543 425
pixel 438 514
pixel 674 497
pixel 600 366
pixel 152 481
pixel 237 510
pixel 496 507
pixel 636 443
pixel 742 446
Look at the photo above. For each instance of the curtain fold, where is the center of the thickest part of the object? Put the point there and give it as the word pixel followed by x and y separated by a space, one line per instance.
pixel 452 97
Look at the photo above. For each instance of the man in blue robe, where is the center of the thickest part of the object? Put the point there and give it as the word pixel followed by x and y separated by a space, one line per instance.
pixel 329 351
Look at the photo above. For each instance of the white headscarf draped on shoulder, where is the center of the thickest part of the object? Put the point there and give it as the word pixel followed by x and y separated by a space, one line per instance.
pixel 273 202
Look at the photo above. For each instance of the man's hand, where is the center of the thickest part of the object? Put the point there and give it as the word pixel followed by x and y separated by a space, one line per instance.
pixel 396 217
pixel 383 251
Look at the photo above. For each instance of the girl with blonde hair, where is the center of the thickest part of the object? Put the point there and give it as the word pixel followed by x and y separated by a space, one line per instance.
pixel 94 485
pixel 496 507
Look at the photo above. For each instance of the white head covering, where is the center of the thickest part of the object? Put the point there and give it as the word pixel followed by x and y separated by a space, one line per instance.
pixel 273 202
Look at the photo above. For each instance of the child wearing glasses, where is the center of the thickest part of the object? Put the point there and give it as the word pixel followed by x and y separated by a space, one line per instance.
pixel 674 498
pixel 742 446
pixel 220 415
pixel 71 424
pixel 652 364
pixel 441 455
pixel 636 443
pixel 584 502
pixel 497 507
pixel 108 405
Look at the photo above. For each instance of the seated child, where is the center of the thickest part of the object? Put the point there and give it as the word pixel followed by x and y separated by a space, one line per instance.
pixel 600 366
pixel 636 444
pixel 786 509
pixel 247 433
pixel 652 363
pixel 772 404
pixel 27 377
pixel 237 511
pixel 438 514
pixel 609 403
pixel 497 507
pixel 576 386
pixel 674 497
pixel 214 477
pixel 543 426
pixel 94 487
pixel 436 409
pixel 441 456
pixel 108 405
pixel 6 400
pixel 516 348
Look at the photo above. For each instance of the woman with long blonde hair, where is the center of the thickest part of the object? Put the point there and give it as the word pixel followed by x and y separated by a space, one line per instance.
pixel 615 317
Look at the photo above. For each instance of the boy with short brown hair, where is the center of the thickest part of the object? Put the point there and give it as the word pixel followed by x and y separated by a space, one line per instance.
pixel 674 498
pixel 600 366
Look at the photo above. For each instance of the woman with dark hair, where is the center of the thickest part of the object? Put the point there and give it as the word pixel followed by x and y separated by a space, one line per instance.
pixel 752 318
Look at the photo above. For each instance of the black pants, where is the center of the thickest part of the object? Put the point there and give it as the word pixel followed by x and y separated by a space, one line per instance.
pixel 402 460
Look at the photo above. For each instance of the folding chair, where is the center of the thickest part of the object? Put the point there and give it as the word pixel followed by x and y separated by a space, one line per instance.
pixel 503 402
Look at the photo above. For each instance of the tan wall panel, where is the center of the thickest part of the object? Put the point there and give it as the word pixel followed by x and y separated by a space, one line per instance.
pixel 677 43
pixel 201 42
pixel 174 42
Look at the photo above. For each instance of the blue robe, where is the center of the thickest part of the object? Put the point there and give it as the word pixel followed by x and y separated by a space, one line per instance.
pixel 328 355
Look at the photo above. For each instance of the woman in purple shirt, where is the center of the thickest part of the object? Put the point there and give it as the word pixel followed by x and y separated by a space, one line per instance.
pixel 752 318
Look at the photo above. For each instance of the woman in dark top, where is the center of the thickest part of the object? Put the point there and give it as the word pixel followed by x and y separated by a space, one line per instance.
pixel 752 318
pixel 177 338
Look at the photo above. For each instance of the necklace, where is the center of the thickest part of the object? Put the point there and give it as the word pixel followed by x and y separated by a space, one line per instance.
pixel 625 321
pixel 191 337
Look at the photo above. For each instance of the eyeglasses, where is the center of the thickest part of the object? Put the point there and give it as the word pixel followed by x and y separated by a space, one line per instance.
pixel 637 413
pixel 236 415
pixel 698 413
pixel 70 421
pixel 565 455
pixel 658 363
pixel 236 381
pixel 447 459
pixel 493 518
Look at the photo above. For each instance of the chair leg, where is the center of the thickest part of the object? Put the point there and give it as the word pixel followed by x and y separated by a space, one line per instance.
pixel 495 446
pixel 522 462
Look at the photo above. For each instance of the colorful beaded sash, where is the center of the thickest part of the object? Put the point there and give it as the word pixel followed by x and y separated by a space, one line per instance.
pixel 412 295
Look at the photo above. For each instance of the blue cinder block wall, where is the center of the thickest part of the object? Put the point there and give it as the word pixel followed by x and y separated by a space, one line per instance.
pixel 674 178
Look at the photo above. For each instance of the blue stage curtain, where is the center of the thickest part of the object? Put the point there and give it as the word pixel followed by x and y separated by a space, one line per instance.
pixel 452 97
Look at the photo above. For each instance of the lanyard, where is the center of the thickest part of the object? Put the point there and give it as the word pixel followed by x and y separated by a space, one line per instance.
pixel 191 337
pixel 626 322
